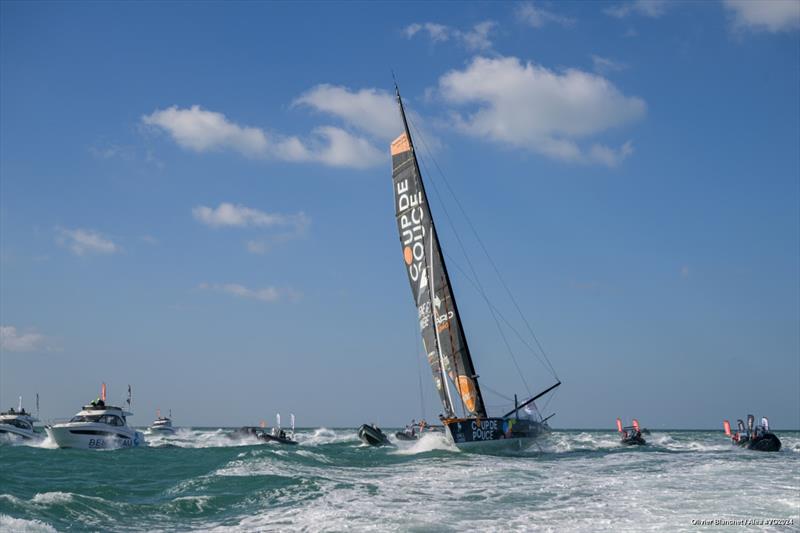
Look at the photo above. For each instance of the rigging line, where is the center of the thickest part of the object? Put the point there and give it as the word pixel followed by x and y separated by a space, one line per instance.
pixel 485 251
pixel 480 287
pixel 503 396
pixel 544 407
pixel 503 318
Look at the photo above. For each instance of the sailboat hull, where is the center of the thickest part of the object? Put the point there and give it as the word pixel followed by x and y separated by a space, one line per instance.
pixel 494 434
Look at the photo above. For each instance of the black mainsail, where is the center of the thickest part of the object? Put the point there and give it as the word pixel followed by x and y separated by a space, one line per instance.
pixel 440 324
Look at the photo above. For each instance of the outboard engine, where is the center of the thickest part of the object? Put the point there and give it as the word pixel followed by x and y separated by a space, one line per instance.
pixel 765 424
pixel 740 425
pixel 750 421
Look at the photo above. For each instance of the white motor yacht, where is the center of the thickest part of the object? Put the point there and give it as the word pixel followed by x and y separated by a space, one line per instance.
pixel 18 423
pixel 96 427
pixel 162 424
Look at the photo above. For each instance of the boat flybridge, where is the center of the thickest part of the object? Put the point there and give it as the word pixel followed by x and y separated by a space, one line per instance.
pixel 97 426
pixel 162 424
pixel 18 423
pixel 443 336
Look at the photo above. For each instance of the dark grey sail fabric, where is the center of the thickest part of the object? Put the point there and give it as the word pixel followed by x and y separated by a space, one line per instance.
pixel 436 307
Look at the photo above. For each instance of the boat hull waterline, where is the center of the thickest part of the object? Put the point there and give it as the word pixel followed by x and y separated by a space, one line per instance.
pixel 495 433
pixel 94 436
pixel 768 442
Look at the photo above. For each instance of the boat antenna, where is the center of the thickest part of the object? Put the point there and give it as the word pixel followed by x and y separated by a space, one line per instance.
pixel 37 405
pixel 19 405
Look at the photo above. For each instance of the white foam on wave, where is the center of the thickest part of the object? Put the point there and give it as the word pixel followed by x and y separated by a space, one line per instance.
pixel 322 436
pixel 19 525
pixel 199 502
pixel 427 443
pixel 47 498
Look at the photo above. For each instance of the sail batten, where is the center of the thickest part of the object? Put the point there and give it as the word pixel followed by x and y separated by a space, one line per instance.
pixel 440 325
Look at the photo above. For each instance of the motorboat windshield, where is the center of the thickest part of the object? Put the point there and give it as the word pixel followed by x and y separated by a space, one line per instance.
pixel 111 420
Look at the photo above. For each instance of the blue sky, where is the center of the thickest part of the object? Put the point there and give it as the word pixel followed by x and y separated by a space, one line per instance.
pixel 195 199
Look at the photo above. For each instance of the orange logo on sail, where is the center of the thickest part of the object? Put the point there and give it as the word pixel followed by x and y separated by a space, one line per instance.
pixel 467 391
pixel 400 145
pixel 408 255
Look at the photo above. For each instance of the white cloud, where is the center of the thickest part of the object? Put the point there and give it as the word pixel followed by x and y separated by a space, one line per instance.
pixel 766 15
pixel 342 149
pixel 647 8
pixel 82 241
pixel 532 107
pixel 610 157
pixel 267 294
pixel 201 130
pixel 475 39
pixel 13 341
pixel 227 214
pixel 537 17
pixel 604 65
pixel 369 110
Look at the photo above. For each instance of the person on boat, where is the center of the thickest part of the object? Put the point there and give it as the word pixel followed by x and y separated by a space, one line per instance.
pixel 282 434
pixel 11 411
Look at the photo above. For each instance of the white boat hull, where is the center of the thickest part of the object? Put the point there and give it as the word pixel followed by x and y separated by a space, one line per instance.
pixel 161 430
pixel 9 431
pixel 94 436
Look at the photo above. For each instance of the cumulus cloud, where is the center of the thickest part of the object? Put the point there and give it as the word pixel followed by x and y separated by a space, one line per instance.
pixel 536 17
pixel 82 241
pixel 646 8
pixel 12 340
pixel 478 38
pixel 202 130
pixel 772 16
pixel 267 294
pixel 227 214
pixel 369 110
pixel 529 106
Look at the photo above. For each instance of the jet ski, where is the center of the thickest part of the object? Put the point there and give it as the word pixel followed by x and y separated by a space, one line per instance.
pixel 630 435
pixel 759 438
pixel 372 435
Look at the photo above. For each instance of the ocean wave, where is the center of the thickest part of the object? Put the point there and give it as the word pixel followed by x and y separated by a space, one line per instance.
pixel 20 525
pixel 47 498
pixel 429 442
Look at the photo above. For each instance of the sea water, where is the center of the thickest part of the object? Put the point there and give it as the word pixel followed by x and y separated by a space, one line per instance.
pixel 579 480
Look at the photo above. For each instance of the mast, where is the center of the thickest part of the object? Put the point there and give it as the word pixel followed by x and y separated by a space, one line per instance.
pixel 455 351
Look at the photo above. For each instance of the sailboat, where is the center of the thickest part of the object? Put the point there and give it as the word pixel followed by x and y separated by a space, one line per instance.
pixel 443 336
